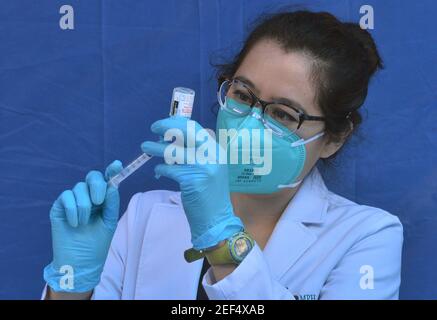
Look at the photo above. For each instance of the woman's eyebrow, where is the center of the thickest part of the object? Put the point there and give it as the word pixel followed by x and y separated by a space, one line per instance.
pixel 289 102
pixel 247 82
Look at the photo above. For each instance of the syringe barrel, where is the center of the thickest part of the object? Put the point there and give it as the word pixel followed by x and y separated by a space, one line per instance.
pixel 129 169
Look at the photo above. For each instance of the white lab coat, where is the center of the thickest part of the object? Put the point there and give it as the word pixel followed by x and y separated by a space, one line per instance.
pixel 323 247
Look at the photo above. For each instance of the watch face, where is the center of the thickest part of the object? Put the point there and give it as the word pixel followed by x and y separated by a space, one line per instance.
pixel 240 246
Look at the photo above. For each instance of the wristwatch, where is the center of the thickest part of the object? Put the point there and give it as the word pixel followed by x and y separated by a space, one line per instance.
pixel 229 251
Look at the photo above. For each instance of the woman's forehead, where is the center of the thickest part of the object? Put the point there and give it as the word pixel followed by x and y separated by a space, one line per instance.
pixel 275 73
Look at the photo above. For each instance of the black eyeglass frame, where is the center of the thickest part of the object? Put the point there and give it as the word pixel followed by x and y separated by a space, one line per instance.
pixel 302 115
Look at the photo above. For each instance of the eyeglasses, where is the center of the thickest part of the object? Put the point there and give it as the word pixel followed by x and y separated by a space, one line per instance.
pixel 281 118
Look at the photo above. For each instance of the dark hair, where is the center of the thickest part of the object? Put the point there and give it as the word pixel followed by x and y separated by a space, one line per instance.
pixel 345 57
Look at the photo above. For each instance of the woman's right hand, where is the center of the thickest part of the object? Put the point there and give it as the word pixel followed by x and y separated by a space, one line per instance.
pixel 83 222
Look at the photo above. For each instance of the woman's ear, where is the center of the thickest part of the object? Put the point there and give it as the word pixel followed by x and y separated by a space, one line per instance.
pixel 330 148
pixel 332 145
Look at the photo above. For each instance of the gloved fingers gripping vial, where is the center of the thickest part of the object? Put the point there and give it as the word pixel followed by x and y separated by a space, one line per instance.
pixel 181 105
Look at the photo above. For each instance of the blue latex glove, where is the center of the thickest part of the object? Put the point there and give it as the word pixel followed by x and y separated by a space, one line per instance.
pixel 83 221
pixel 204 188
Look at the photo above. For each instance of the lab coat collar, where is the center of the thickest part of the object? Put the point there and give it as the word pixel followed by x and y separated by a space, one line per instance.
pixel 309 204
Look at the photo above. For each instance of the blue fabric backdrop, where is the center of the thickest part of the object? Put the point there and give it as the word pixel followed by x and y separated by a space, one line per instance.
pixel 74 100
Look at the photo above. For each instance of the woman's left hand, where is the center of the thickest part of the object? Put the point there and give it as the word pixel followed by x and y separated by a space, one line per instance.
pixel 204 186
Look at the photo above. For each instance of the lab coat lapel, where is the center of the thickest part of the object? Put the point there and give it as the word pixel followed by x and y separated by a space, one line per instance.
pixel 163 272
pixel 291 236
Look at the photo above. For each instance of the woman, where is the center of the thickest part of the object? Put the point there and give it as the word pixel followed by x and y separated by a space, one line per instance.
pixel 282 235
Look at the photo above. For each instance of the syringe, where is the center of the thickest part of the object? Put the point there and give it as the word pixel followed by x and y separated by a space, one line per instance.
pixel 182 105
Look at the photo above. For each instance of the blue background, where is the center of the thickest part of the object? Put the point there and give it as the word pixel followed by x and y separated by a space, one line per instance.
pixel 74 100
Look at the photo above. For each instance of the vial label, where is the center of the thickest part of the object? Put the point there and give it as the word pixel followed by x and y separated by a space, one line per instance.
pixel 183 100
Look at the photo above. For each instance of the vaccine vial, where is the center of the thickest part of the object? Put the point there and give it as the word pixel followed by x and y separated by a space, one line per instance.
pixel 182 102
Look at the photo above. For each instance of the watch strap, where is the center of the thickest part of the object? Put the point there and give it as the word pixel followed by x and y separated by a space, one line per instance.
pixel 192 254
pixel 224 253
pixel 221 255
